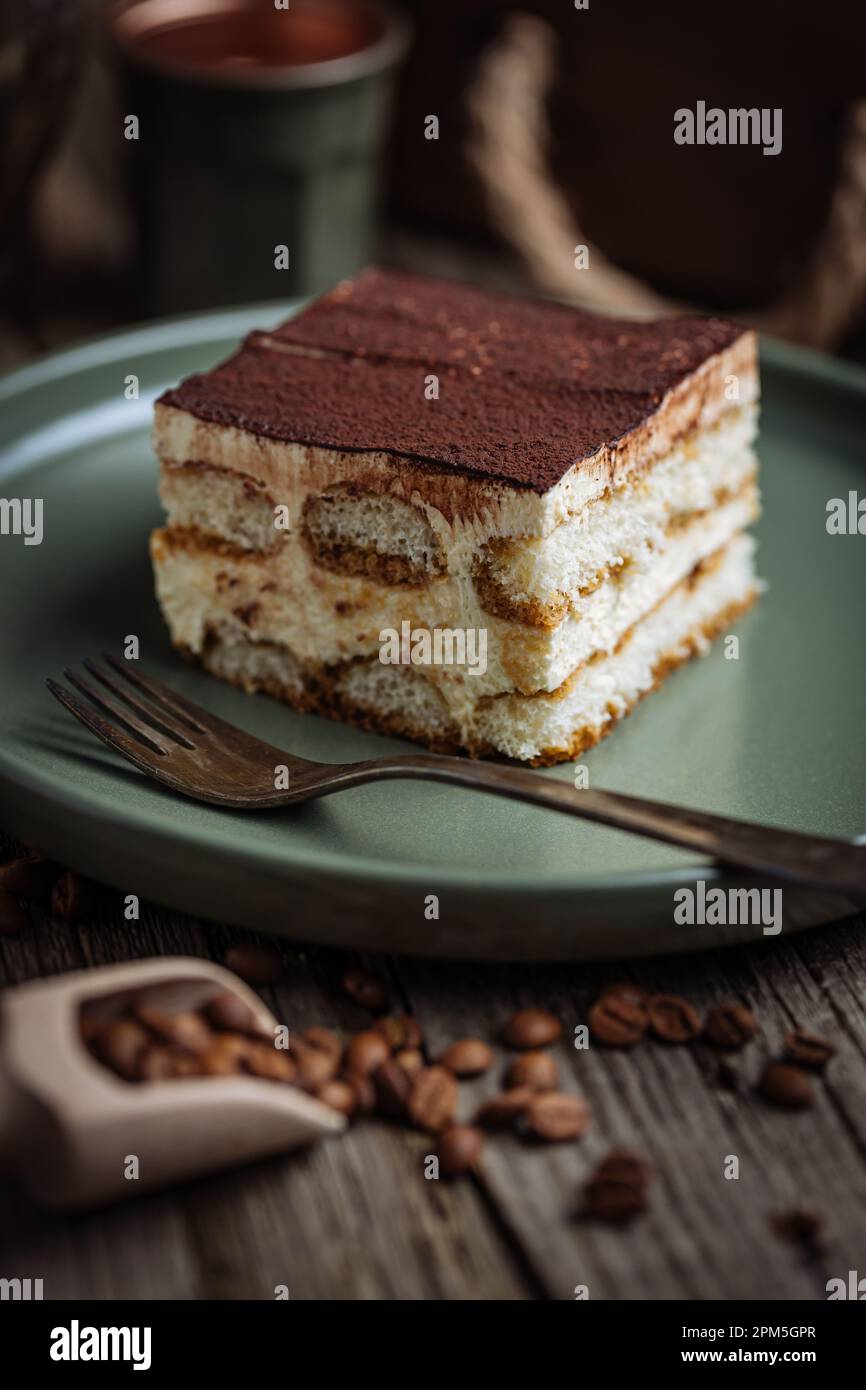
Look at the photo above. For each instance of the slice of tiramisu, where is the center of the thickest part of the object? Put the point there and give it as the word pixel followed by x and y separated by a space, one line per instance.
pixel 476 521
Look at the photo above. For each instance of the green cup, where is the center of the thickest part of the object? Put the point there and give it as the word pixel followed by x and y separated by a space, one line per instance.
pixel 255 133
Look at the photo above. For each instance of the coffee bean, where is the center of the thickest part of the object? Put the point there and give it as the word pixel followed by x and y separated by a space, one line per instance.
pixel 537 1070
pixel 160 1063
pixel 226 1056
pixel 556 1118
pixel 120 1045
pixel 468 1057
pixel 617 1190
pixel 808 1049
pixel 365 1093
pixel 366 1051
pixel 459 1149
pixel 787 1086
pixel 73 898
pixel 433 1099
pixel 615 1021
pixel 399 1031
pixel 730 1026
pixel 727 1076
pixel 503 1111
pixel 314 1066
pixel 270 1063
pixel 256 964
pixel 625 1165
pixel 392 1086
pixel 325 1040
pixel 673 1020
pixel 185 1030
pixel 228 1013
pixel 531 1028
pixel 626 989
pixel 800 1228
pixel 410 1059
pixel 366 990
pixel 32 877
pixel 13 918
pixel 338 1095
pixel 156 1063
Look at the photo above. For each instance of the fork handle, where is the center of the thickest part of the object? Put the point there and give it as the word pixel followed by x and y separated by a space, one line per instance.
pixel 811 860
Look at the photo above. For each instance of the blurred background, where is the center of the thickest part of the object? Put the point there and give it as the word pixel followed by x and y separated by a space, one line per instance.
pixel 465 137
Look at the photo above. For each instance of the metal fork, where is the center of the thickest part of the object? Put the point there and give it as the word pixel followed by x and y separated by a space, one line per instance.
pixel 180 744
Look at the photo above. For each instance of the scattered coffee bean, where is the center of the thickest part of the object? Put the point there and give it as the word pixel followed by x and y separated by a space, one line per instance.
pixel 120 1045
pixel 338 1095
pixel 727 1076
pixel 256 964
pixel 73 898
pixel 787 1086
pixel 459 1149
pixel 801 1228
pixel 808 1049
pixel 531 1028
pixel 673 1020
pixel 392 1086
pixel 32 877
pixel 537 1070
pixel 185 1030
pixel 730 1026
pixel 618 1189
pixel 556 1118
pixel 615 1021
pixel 433 1099
pixel 410 1059
pixel 270 1063
pixel 503 1111
pixel 399 1031
pixel 366 1051
pixel 13 918
pixel 229 1014
pixel 468 1057
pixel 626 989
pixel 366 990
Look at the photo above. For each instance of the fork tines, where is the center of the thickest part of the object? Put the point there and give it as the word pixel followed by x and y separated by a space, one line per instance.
pixel 130 707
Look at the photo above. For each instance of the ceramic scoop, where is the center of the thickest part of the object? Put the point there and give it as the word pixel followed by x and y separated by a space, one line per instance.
pixel 77 1134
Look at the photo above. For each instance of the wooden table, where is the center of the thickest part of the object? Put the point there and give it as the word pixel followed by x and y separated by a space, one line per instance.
pixel 354 1218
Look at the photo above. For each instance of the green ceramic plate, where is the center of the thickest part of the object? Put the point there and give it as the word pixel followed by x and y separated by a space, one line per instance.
pixel 776 736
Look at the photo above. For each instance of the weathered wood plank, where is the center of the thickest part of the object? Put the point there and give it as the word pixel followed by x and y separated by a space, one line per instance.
pixel 705 1236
